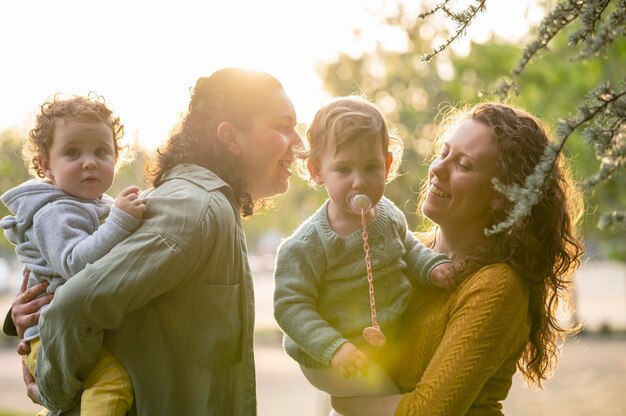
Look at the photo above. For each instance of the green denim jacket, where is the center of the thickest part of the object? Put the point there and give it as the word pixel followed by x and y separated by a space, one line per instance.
pixel 174 302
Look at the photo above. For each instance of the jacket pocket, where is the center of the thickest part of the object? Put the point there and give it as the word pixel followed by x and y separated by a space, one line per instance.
pixel 215 325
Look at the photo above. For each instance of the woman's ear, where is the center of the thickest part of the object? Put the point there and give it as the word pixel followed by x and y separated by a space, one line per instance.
pixel 388 163
pixel 227 134
pixel 314 171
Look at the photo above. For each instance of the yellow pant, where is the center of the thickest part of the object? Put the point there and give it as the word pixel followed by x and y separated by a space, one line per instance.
pixel 107 389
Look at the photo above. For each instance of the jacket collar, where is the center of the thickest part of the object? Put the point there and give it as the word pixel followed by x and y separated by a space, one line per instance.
pixel 199 176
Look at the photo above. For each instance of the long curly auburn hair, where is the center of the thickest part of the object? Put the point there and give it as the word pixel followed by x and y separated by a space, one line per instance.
pixel 544 248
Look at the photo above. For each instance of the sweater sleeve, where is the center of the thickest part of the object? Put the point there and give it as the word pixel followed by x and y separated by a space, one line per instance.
pixel 488 323
pixel 298 268
pixel 69 237
pixel 420 260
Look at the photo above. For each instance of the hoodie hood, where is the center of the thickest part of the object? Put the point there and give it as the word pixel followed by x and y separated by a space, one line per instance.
pixel 24 201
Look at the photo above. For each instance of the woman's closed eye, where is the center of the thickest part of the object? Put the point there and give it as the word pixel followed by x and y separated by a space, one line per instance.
pixel 464 166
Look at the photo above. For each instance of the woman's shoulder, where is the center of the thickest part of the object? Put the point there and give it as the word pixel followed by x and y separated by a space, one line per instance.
pixel 498 280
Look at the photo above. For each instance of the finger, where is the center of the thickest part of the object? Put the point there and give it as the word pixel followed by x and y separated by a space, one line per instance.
pixel 25 274
pixel 23 322
pixel 23 348
pixel 32 390
pixel 31 293
pixel 362 367
pixel 30 307
pixel 130 190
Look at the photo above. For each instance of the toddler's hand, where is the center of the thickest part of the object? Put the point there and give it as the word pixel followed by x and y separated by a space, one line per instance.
pixel 349 360
pixel 444 275
pixel 129 201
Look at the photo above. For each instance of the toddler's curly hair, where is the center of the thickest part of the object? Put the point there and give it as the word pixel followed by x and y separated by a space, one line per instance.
pixel 83 108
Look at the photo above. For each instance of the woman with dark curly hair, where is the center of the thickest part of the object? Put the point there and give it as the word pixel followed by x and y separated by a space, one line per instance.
pixel 174 301
pixel 460 351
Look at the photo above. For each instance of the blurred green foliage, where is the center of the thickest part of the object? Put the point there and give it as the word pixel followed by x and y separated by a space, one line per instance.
pixel 411 93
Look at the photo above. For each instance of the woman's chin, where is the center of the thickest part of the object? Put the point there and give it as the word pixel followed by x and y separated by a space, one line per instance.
pixel 281 186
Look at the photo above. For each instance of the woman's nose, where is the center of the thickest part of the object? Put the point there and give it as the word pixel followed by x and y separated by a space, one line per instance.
pixel 438 168
pixel 296 141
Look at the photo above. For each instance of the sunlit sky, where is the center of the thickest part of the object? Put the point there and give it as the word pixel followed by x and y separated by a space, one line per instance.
pixel 143 56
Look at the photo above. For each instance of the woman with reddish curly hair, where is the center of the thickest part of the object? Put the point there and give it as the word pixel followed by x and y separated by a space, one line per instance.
pixel 460 350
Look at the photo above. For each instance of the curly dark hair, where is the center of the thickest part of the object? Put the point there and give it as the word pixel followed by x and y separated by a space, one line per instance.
pixel 231 94
pixel 89 108
pixel 544 248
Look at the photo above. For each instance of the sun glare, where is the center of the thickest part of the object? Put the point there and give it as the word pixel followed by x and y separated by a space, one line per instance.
pixel 143 57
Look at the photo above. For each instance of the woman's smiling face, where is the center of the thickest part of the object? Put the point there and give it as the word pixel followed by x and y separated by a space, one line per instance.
pixel 267 148
pixel 460 192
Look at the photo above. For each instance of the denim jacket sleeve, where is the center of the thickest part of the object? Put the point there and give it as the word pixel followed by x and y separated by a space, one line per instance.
pixel 97 299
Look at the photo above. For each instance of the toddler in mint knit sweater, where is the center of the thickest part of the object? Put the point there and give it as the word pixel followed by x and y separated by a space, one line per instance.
pixel 322 298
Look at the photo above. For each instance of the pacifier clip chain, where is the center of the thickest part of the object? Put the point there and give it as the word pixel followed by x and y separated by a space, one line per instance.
pixel 372 334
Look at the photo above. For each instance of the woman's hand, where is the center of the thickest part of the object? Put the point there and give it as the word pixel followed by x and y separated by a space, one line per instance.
pixel 32 391
pixel 25 309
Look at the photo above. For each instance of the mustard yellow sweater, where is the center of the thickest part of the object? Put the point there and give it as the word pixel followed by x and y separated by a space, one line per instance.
pixel 459 351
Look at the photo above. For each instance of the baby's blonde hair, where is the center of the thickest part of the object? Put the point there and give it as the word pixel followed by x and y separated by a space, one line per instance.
pixel 343 120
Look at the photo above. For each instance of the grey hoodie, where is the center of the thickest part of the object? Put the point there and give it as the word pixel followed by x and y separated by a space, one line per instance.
pixel 56 235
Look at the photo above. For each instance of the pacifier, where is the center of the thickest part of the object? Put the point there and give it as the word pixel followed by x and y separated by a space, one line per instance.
pixel 360 202
pixel 373 335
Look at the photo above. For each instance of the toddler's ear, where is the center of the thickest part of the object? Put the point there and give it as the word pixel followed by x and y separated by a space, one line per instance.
pixel 44 165
pixel 314 171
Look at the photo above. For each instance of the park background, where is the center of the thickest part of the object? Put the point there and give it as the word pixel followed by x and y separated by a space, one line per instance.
pixel 143 57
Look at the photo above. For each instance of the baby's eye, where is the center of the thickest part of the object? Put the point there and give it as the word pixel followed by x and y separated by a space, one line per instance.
pixel 73 153
pixel 342 169
pixel 102 151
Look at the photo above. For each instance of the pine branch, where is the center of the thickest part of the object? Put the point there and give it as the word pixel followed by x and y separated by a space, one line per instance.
pixel 607 134
pixel 434 10
pixel 527 196
pixel 591 14
pixel 462 19
pixel 609 31
pixel 562 15
pixel 612 219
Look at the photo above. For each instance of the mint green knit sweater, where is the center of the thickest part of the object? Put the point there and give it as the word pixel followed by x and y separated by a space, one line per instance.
pixel 321 297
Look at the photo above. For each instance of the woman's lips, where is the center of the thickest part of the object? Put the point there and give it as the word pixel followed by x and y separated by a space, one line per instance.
pixel 438 191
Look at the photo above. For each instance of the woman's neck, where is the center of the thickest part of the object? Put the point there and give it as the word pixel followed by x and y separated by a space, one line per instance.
pixel 458 243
